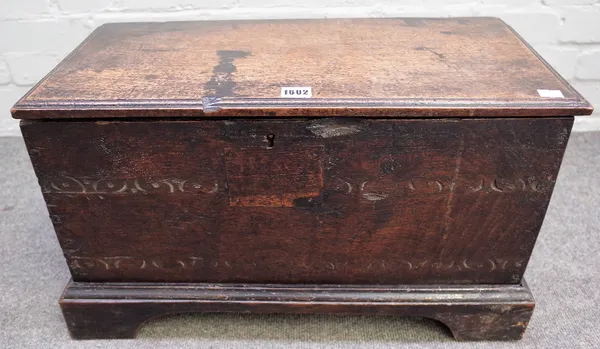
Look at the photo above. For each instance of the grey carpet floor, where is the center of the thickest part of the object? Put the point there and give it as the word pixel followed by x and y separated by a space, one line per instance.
pixel 563 275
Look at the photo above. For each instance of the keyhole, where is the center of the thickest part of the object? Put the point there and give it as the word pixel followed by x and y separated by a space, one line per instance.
pixel 270 140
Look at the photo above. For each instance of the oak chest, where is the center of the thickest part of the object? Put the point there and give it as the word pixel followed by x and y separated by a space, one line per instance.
pixel 389 166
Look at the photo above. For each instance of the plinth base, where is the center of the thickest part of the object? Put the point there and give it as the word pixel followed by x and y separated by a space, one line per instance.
pixel 471 312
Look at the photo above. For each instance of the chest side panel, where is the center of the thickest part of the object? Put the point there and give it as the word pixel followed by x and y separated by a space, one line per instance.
pixel 303 201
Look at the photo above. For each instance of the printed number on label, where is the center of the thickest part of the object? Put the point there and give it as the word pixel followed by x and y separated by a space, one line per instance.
pixel 296 92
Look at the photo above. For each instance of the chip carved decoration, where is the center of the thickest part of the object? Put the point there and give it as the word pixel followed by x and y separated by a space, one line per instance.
pixel 81 263
pixel 71 185
pixel 372 190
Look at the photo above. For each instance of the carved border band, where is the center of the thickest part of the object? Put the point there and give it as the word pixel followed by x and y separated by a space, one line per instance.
pixel 72 185
pixel 199 263
pixel 370 190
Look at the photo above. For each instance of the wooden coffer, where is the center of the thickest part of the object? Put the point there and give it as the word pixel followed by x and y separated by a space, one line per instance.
pixel 380 153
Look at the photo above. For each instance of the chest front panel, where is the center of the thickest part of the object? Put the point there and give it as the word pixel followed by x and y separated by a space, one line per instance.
pixel 355 201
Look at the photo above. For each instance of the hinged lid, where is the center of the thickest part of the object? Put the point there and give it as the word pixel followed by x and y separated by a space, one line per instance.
pixel 468 67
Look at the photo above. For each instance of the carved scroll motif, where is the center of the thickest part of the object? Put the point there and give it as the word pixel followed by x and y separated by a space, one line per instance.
pixel 72 185
pixel 125 262
pixel 381 189
pixel 196 263
pixel 373 190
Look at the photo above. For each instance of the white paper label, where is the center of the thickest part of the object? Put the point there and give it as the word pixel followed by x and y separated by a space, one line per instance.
pixel 550 93
pixel 296 92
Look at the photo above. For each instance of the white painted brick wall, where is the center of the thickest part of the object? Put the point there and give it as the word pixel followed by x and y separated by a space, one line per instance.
pixel 36 34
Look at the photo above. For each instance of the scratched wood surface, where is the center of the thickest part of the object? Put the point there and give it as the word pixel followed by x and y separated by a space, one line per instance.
pixel 471 312
pixel 465 67
pixel 320 201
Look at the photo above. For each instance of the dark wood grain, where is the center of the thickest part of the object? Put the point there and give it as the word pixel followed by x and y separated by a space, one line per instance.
pixel 471 312
pixel 178 180
pixel 337 201
pixel 461 67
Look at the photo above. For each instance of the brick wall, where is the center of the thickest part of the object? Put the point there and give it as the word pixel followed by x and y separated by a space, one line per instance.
pixel 36 34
